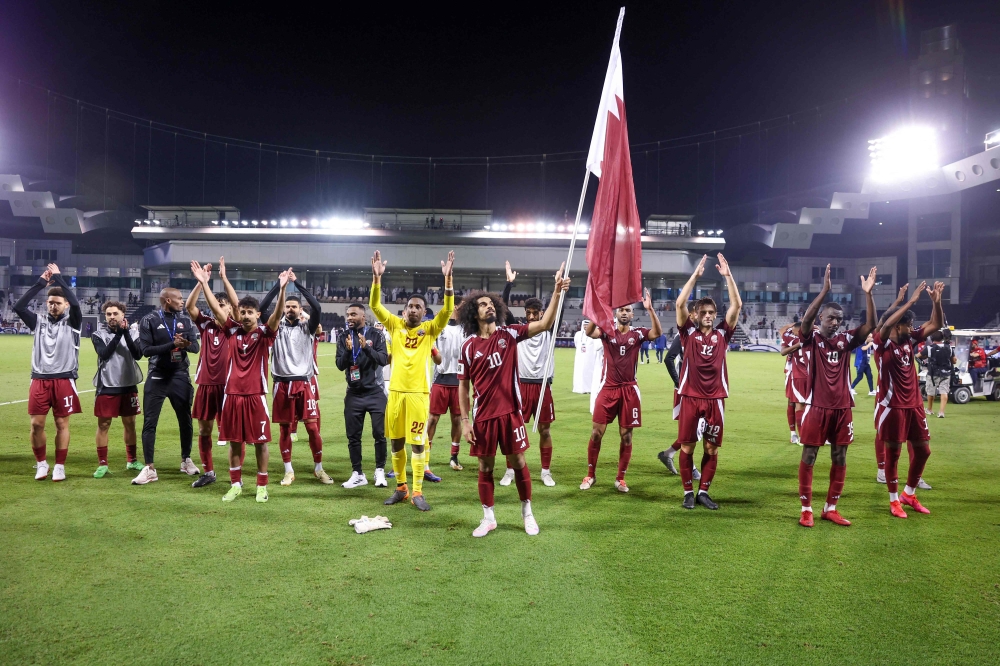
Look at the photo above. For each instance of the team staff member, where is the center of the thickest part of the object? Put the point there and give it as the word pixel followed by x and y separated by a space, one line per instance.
pixel 55 360
pixel 117 380
pixel 361 355
pixel 166 337
pixel 409 402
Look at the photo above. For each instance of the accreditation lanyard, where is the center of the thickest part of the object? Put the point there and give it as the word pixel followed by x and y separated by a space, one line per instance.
pixel 355 352
pixel 175 353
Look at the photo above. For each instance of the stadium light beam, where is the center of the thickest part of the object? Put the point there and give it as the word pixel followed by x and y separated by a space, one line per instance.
pixel 905 154
pixel 993 139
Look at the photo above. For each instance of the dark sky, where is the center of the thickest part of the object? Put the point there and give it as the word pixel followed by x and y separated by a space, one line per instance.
pixel 375 78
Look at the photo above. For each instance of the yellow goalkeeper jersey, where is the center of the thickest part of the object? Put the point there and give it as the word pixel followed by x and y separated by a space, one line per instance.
pixel 411 347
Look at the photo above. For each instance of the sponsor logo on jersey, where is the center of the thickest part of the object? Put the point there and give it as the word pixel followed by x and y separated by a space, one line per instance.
pixel 479 354
pixel 635 422
pixel 502 343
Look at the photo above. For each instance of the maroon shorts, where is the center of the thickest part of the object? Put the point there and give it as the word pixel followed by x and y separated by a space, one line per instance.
pixel 121 404
pixel 896 424
pixel 529 403
pixel 826 426
pixel 294 401
pixel 507 432
pixel 59 395
pixel 244 418
pixel 619 402
pixel 208 401
pixel 796 388
pixel 443 398
pixel 701 418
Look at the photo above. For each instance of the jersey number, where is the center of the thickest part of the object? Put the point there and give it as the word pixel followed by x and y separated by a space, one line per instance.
pixel 494 360
pixel 417 428
pixel 635 413
pixel 621 350
pixel 411 343
pixel 706 350
pixel 520 433
pixel 833 357
pixel 215 341
pixel 68 401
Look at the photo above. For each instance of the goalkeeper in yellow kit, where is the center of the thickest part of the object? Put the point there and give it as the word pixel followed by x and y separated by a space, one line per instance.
pixel 409 386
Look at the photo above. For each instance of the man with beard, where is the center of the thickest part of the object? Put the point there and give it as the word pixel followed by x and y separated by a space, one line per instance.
pixel 118 376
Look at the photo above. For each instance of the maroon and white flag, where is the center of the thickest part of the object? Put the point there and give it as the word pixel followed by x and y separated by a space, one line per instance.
pixel 614 246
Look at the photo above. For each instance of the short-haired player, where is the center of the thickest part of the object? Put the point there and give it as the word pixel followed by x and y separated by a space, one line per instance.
pixel 116 383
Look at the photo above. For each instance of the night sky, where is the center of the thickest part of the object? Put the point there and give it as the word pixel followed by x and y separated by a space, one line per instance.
pixel 375 79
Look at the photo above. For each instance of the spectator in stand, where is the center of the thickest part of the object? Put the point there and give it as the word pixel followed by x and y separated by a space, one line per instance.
pixel 862 365
pixel 940 363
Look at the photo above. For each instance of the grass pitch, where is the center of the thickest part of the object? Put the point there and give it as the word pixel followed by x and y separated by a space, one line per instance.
pixel 98 571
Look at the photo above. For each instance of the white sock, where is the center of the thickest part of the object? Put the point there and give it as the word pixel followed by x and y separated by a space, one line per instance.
pixel 458 444
pixel 318 468
pixel 829 507
pixel 908 490
pixel 807 508
pixel 238 483
pixel 671 453
pixel 702 492
pixel 544 470
pixel 211 472
pixel 525 508
pixel 288 468
pixel 488 514
pixel 893 497
pixel 58 466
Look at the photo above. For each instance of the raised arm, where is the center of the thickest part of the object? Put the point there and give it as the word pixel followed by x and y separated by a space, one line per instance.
pixel 279 309
pixel 386 318
pixel 265 303
pixel 592 331
pixel 234 300
pixel 191 304
pixel 806 325
pixel 895 304
pixel 448 305
pixel 655 329
pixel 75 313
pixel 201 275
pixel 505 296
pixel 682 299
pixel 22 307
pixel 937 312
pixel 735 302
pixel 315 309
pixel 549 317
pixel 867 284
pixel 897 314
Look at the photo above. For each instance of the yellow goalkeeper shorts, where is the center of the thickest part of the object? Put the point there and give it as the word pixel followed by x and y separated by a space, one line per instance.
pixel 406 417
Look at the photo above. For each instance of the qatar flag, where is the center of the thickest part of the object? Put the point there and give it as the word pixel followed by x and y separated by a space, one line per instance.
pixel 614 246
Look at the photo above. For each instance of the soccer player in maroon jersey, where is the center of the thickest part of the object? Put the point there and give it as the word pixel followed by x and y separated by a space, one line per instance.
pixel 488 363
pixel 244 417
pixel 618 395
pixel 900 416
pixel 827 417
pixel 213 362
pixel 796 375
pixel 704 383
pixel 879 444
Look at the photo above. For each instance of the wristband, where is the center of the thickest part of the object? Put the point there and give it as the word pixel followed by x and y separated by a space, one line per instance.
pixel 448 282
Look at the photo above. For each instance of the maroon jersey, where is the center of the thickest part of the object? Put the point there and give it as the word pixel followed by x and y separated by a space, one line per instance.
pixel 798 361
pixel 703 366
pixel 621 355
pixel 491 365
pixel 898 385
pixel 213 362
pixel 829 380
pixel 248 357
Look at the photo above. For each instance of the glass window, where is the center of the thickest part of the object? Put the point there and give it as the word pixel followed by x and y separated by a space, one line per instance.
pixel 883 279
pixel 934 227
pixel 933 263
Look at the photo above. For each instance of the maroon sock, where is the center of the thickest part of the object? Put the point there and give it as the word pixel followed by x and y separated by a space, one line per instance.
pixel 39 453
pixel 130 452
pixel 546 456
pixel 891 463
pixel 285 443
pixel 837 475
pixel 880 452
pixel 236 475
pixel 61 456
pixel 486 487
pixel 205 451
pixel 624 456
pixel 676 446
pixel 920 455
pixel 708 464
pixel 315 441
pixel 102 455
pixel 454 449
pixel 805 484
pixel 261 479
pixel 687 470
pixel 790 413
pixel 593 451
pixel 522 478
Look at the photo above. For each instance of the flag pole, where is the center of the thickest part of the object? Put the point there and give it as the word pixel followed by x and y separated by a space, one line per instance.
pixel 550 357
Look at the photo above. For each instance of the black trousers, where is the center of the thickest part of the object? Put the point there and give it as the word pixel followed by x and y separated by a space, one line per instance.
pixel 177 388
pixel 356 405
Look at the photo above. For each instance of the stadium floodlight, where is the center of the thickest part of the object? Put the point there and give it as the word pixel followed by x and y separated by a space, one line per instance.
pixel 215 222
pixel 314 222
pixel 326 223
pixel 284 223
pixel 584 229
pixel 294 222
pixel 906 153
pixel 225 223
pixel 244 223
pixel 711 232
pixel 561 228
pixel 520 226
pixel 503 227
pixel 701 232
pixel 993 139
pixel 719 232
pixel 156 223
pixel 550 227
pixel 254 222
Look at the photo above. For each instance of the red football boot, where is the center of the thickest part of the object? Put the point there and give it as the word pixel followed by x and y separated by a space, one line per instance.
pixel 896 509
pixel 912 502
pixel 835 517
pixel 806 519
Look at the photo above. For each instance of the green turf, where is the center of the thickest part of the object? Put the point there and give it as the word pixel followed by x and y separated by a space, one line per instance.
pixel 97 571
